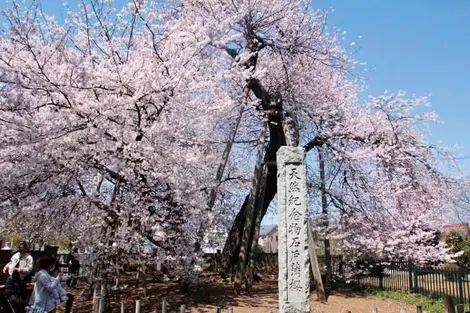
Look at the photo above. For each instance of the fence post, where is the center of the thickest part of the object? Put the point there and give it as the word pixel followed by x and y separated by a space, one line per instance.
pixel 122 307
pixel 164 306
pixel 137 306
pixel 410 275
pixel 415 283
pixel 103 294
pixel 102 305
pixel 459 279
pixel 340 266
pixel 449 306
pixel 381 277
pixel 96 304
pixel 96 301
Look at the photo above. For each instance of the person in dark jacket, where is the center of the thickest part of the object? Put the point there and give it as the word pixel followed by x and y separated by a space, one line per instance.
pixel 74 268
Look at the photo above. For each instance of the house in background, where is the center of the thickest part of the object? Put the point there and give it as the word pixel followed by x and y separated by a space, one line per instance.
pixel 461 228
pixel 268 238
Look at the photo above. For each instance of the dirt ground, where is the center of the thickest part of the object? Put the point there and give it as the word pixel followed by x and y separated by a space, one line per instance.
pixel 207 297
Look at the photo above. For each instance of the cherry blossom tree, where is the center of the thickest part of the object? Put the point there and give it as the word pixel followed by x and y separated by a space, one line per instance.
pixel 105 135
pixel 142 124
pixel 386 197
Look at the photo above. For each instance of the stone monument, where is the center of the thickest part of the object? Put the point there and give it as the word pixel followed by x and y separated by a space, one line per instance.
pixel 294 277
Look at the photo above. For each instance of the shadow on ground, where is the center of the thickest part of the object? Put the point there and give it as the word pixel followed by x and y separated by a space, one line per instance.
pixel 202 298
pixel 205 298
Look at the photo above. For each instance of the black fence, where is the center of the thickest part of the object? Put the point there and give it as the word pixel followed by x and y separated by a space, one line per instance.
pixel 430 281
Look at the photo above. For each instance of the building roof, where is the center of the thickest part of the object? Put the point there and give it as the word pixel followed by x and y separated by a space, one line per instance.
pixel 461 227
pixel 265 230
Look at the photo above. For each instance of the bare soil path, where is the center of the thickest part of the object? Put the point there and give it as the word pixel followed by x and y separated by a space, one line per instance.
pixel 207 297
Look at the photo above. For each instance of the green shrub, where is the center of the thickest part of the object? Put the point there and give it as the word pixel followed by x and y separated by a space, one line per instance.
pixel 458 242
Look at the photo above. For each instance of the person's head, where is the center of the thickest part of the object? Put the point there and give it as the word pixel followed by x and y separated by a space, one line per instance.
pixel 45 263
pixel 23 247
pixel 55 267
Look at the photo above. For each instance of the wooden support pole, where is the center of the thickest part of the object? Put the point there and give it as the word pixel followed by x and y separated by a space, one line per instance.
pixel 314 263
pixel 122 307
pixel 183 308
pixel 225 157
pixel 419 309
pixel 137 306
pixel 460 308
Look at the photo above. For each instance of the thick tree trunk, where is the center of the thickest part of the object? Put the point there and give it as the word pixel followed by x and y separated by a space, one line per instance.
pixel 255 236
pixel 232 245
pixel 271 104
pixel 324 205
pixel 250 219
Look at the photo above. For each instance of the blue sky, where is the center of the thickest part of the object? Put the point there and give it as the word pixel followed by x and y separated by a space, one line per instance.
pixel 420 46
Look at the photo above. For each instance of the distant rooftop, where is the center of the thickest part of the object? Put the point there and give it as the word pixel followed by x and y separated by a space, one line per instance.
pixel 461 227
pixel 266 229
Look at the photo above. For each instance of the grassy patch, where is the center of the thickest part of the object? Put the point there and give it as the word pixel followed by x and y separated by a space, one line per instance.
pixel 428 304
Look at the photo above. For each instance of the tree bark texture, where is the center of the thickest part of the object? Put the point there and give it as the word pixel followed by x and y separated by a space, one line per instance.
pixel 254 239
pixel 324 205
pixel 232 246
pixel 245 243
pixel 272 106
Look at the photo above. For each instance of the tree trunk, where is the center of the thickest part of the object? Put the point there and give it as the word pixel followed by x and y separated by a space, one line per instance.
pixel 231 249
pixel 250 219
pixel 324 205
pixel 254 239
